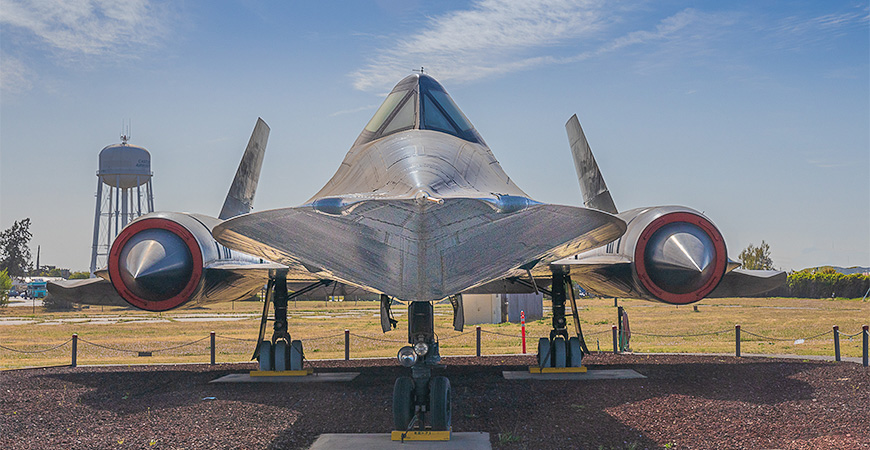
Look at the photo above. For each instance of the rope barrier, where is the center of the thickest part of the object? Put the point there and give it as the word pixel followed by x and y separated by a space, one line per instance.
pixel 333 336
pixel 454 336
pixel 303 340
pixel 783 339
pixel 375 339
pixel 36 351
pixel 501 334
pixel 322 337
pixel 831 332
pixel 850 336
pixel 235 339
pixel 107 347
pixel 595 333
pixel 681 335
pixel 179 346
pixel 141 351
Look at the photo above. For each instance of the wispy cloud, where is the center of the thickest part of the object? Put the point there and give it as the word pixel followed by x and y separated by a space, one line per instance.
pixel 829 164
pixel 462 44
pixel 355 110
pixel 501 36
pixel 89 27
pixel 797 30
pixel 72 30
pixel 14 75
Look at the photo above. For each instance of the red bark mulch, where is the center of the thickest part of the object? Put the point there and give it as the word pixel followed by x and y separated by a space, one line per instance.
pixel 687 402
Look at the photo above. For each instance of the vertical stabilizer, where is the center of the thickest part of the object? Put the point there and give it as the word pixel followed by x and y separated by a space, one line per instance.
pixel 240 199
pixel 595 193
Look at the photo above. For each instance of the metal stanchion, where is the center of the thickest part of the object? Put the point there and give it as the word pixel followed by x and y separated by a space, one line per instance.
pixel 737 340
pixel 478 340
pixel 621 335
pixel 865 344
pixel 211 336
pixel 837 343
pixel 346 344
pixel 615 345
pixel 75 348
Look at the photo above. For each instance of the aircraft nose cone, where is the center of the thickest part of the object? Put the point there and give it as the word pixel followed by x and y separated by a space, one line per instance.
pixel 680 258
pixel 155 264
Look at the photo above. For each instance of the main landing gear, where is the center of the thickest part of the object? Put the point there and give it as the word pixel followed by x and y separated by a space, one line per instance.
pixel 421 394
pixel 280 353
pixel 561 350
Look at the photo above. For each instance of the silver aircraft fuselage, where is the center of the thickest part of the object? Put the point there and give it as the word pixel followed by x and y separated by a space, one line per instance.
pixel 419 209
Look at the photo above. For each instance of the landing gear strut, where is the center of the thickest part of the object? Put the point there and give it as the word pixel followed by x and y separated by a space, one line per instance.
pixel 420 394
pixel 280 353
pixel 562 350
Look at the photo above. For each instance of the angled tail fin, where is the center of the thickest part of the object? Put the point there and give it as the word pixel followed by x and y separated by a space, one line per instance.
pixel 595 193
pixel 240 198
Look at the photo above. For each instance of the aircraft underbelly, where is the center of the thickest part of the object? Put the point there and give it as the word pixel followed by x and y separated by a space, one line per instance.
pixel 419 251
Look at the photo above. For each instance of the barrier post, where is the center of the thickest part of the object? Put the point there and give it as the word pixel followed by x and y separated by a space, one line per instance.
pixel 837 343
pixel 478 340
pixel 865 344
pixel 75 348
pixel 346 344
pixel 619 311
pixel 211 337
pixel 615 347
pixel 523 322
pixel 737 340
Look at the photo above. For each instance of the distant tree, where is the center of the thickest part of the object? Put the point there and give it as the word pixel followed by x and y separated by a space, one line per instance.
pixel 14 253
pixel 756 258
pixel 5 286
pixel 79 275
pixel 50 271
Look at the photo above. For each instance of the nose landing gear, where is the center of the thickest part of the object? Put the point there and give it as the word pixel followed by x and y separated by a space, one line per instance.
pixel 421 395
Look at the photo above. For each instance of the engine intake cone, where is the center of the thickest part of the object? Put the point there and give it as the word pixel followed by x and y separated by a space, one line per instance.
pixel 680 258
pixel 155 264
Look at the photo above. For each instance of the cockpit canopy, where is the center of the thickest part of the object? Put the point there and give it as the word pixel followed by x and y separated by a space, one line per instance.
pixel 418 102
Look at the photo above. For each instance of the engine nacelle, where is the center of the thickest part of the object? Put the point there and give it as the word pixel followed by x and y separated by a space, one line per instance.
pixel 671 254
pixel 157 261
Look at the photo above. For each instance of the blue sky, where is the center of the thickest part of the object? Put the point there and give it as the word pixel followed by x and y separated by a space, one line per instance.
pixel 757 113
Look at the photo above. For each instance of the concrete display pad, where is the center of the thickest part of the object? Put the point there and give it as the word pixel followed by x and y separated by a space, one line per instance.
pixel 360 441
pixel 313 378
pixel 610 374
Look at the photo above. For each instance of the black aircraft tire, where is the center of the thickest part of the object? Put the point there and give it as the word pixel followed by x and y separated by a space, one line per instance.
pixel 439 403
pixel 575 355
pixel 560 352
pixel 403 403
pixel 265 355
pixel 545 353
pixel 281 355
pixel 296 355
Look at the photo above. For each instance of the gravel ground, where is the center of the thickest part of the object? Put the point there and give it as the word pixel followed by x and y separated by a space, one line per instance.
pixel 687 402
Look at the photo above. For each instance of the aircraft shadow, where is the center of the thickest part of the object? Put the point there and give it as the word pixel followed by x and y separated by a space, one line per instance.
pixel 517 413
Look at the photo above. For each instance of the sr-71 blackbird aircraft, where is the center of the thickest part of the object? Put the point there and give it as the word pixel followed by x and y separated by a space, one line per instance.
pixel 419 210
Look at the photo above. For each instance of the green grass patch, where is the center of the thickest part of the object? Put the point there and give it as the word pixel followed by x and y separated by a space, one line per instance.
pixel 321 326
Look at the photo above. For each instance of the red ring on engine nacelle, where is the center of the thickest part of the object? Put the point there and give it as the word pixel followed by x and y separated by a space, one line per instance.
pixel 148 224
pixel 718 270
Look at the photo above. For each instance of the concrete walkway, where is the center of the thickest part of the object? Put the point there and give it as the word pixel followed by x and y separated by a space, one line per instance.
pixel 359 441
pixel 319 377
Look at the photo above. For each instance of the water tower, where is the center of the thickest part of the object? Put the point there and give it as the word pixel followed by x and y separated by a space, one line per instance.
pixel 125 170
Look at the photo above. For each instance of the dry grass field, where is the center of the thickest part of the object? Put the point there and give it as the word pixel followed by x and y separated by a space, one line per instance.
pixel 116 335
